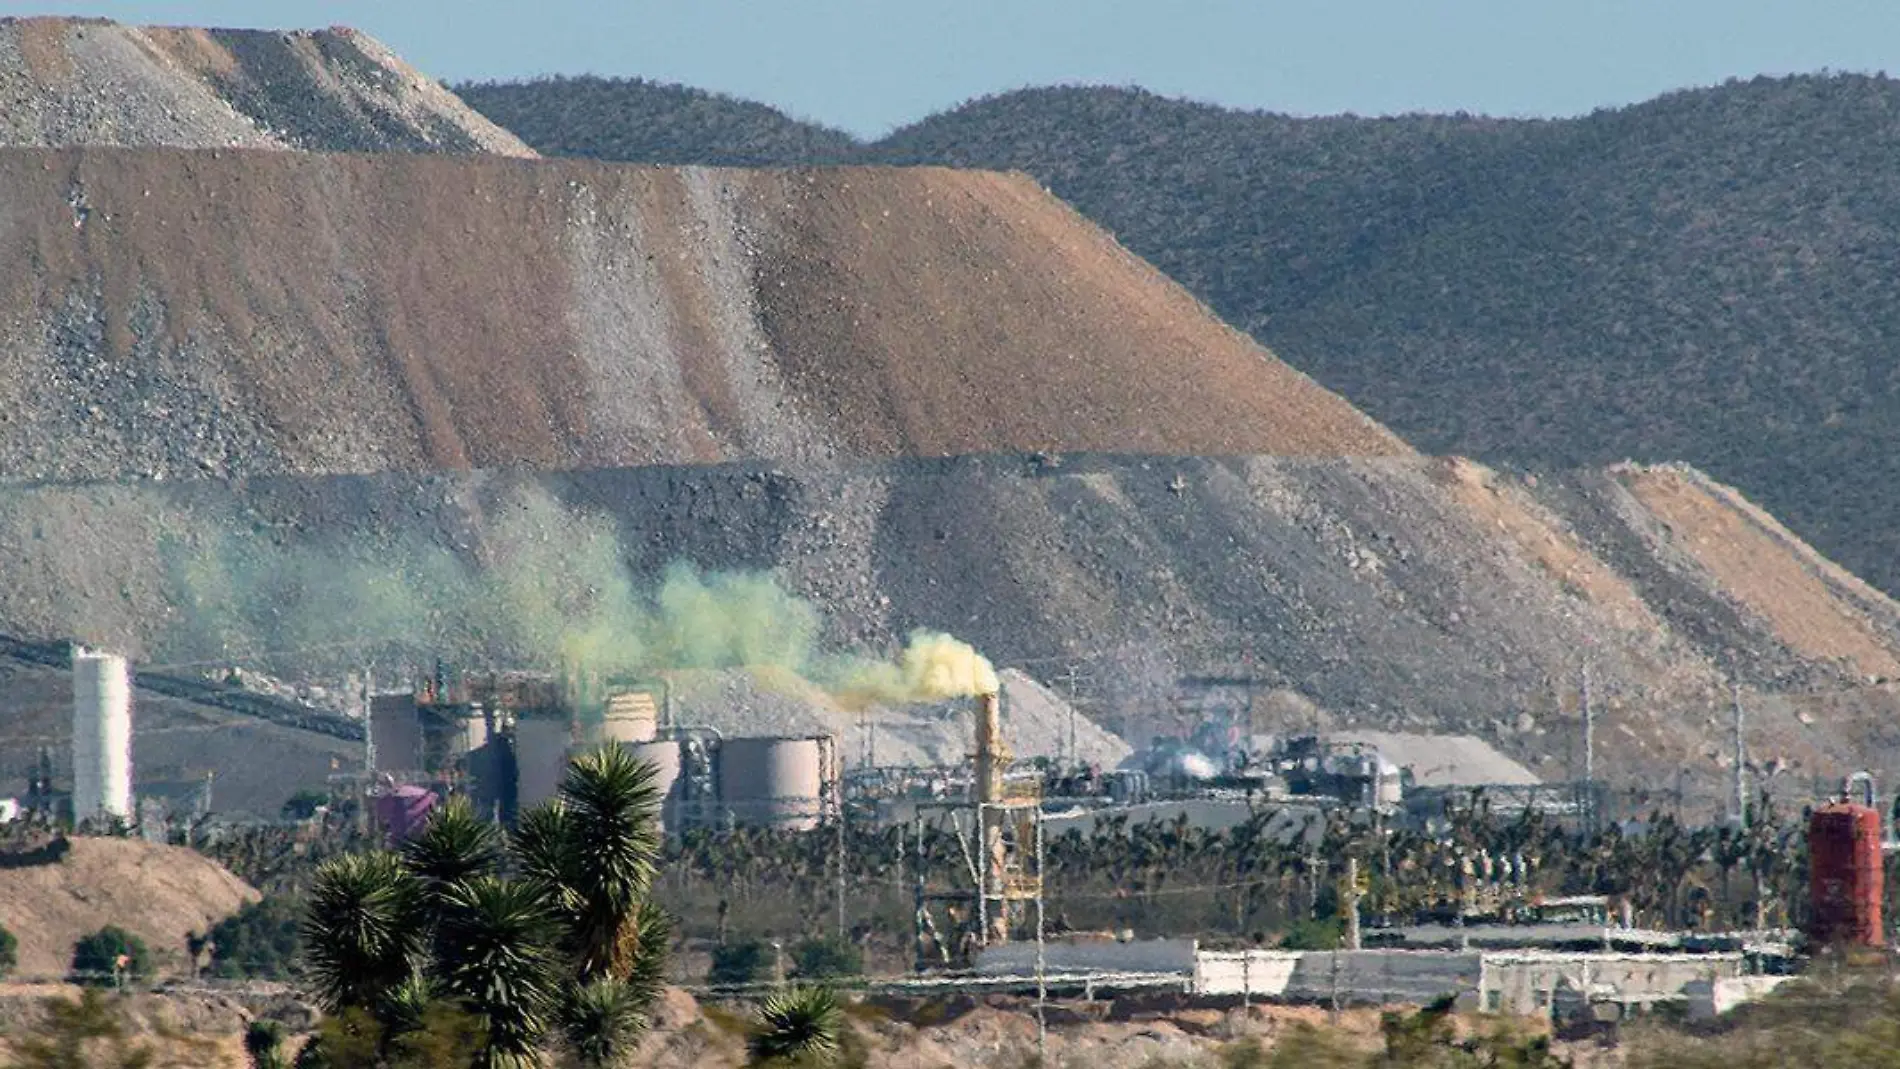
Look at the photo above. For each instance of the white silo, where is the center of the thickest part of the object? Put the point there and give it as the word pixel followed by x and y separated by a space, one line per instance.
pixel 102 736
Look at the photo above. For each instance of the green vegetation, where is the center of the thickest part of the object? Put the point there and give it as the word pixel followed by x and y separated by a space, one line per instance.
pixel 404 949
pixel 634 119
pixel 90 1033
pixel 304 804
pixel 264 1044
pixel 746 962
pixel 257 942
pixel 1314 935
pixel 827 958
pixel 797 1026
pixel 1702 277
pixel 9 953
pixel 109 956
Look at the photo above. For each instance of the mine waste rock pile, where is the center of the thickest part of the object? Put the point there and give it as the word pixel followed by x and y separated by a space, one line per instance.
pixel 262 404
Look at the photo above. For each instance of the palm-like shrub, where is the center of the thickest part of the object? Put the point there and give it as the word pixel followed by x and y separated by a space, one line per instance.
pixel 800 1025
pixel 362 931
pixel 569 948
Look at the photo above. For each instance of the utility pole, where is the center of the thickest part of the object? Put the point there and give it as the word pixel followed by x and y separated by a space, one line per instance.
pixel 841 933
pixel 1075 755
pixel 1741 760
pixel 1352 903
pixel 1589 730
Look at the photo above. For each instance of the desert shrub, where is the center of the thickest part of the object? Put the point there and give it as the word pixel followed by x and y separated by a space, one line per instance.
pixel 96 957
pixel 90 1033
pixel 9 953
pixel 257 942
pixel 827 958
pixel 745 962
pixel 304 804
pixel 1314 935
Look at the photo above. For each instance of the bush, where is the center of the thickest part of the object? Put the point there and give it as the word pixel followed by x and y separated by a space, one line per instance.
pixel 96 957
pixel 258 942
pixel 827 958
pixel 9 953
pixel 1314 935
pixel 748 962
pixel 304 804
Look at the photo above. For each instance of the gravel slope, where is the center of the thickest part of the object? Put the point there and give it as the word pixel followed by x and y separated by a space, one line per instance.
pixel 175 313
pixel 93 82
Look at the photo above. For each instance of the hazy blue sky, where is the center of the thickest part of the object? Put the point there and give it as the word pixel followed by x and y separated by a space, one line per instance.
pixel 868 65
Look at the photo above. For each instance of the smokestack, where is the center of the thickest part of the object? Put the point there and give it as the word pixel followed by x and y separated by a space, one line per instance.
pixel 102 736
pixel 992 757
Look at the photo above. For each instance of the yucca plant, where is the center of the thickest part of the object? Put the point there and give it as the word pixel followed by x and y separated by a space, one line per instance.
pixel 570 946
pixel 495 956
pixel 597 847
pixel 455 845
pixel 797 1026
pixel 602 1021
pixel 362 930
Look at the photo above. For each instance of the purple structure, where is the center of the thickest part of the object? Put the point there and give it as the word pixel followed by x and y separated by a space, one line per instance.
pixel 403 811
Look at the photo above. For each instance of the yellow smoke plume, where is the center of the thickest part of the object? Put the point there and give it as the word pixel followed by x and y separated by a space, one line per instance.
pixel 933 667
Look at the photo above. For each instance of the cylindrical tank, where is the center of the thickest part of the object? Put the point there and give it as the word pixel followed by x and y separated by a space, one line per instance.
pixel 631 716
pixel 1844 876
pixel 395 731
pixel 102 736
pixel 775 782
pixel 664 755
pixel 541 745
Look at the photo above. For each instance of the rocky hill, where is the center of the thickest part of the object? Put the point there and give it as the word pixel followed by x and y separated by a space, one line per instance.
pixel 240 313
pixel 93 82
pixel 1403 593
pixel 654 122
pixel 1701 277
pixel 408 404
pixel 159 893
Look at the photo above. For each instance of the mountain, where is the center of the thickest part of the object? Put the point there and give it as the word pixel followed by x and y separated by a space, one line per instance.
pixel 1701 277
pixel 653 122
pixel 93 82
pixel 289 407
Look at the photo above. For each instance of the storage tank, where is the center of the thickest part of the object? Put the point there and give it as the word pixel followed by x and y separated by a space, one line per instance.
pixel 541 746
pixel 664 755
pixel 395 731
pixel 102 736
pixel 631 716
pixel 773 782
pixel 1844 876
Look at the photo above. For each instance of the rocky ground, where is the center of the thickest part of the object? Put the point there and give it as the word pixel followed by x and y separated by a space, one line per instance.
pixel 93 82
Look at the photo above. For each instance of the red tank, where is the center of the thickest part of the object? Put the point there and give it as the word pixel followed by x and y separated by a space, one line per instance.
pixel 1844 876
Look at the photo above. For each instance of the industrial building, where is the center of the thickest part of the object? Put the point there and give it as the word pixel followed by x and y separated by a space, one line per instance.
pixel 1559 985
pixel 504 740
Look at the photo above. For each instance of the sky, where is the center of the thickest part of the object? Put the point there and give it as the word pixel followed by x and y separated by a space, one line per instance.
pixel 868 66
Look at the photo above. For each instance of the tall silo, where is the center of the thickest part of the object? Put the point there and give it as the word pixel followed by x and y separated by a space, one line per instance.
pixel 773 782
pixel 102 736
pixel 541 748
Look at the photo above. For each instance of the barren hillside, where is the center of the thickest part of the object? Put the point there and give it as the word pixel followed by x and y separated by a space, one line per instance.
pixel 93 82
pixel 254 312
pixel 159 893
pixel 1402 593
